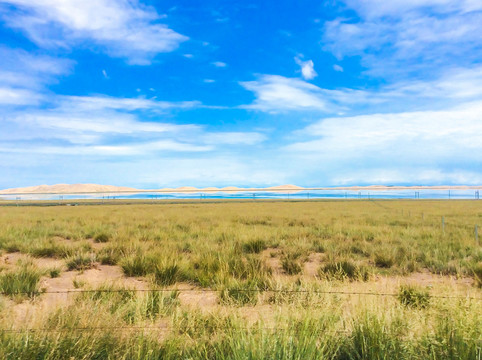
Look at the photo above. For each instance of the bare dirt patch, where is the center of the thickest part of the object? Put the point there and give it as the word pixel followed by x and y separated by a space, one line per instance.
pixel 10 260
pixel 312 265
pixel 273 261
pixel 205 300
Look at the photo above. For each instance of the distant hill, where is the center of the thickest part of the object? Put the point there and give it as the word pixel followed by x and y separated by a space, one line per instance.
pixel 95 188
pixel 66 189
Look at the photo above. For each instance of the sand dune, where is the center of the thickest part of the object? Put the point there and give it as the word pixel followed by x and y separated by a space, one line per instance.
pixel 95 188
pixel 285 187
pixel 66 189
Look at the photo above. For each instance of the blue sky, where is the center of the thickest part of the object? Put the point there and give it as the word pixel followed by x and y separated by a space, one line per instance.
pixel 216 93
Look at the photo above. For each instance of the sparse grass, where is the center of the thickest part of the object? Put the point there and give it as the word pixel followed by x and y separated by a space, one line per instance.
pixel 253 310
pixel 477 273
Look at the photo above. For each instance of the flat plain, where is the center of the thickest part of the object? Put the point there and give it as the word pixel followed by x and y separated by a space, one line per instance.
pixel 242 280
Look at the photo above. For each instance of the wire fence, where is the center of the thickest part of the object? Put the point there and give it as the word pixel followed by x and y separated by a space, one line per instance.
pixel 288 291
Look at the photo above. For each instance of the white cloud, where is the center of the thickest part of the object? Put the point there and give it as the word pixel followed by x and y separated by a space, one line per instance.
pixel 403 37
pixel 19 68
pixel 13 96
pixel 276 94
pixel 234 138
pixel 134 149
pixel 338 68
pixel 23 76
pixel 403 144
pixel 124 29
pixel 107 126
pixel 92 103
pixel 219 64
pixel 209 81
pixel 307 68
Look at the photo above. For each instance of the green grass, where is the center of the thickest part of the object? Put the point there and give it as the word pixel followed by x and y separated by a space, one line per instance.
pixel 22 282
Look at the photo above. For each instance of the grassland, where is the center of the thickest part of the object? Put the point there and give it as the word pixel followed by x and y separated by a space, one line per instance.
pixel 247 280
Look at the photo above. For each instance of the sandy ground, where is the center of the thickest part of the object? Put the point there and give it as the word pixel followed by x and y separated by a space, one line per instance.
pixel 60 291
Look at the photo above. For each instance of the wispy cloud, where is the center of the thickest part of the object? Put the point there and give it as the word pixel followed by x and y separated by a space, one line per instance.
pixel 23 76
pixel 107 126
pixel 123 29
pixel 425 36
pixel 219 64
pixel 276 94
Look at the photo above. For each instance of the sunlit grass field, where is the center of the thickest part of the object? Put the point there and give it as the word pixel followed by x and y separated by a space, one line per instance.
pixel 242 280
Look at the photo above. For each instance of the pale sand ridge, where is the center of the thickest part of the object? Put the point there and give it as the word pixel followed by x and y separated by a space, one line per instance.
pixel 95 188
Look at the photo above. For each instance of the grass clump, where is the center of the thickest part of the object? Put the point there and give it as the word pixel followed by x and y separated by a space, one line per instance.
pixel 167 274
pixel 250 268
pixel 413 296
pixel 138 264
pixel 254 246
pixel 54 272
pixel 290 264
pixel 342 270
pixel 23 281
pixel 383 260
pixel 101 238
pixel 81 261
pixel 51 249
